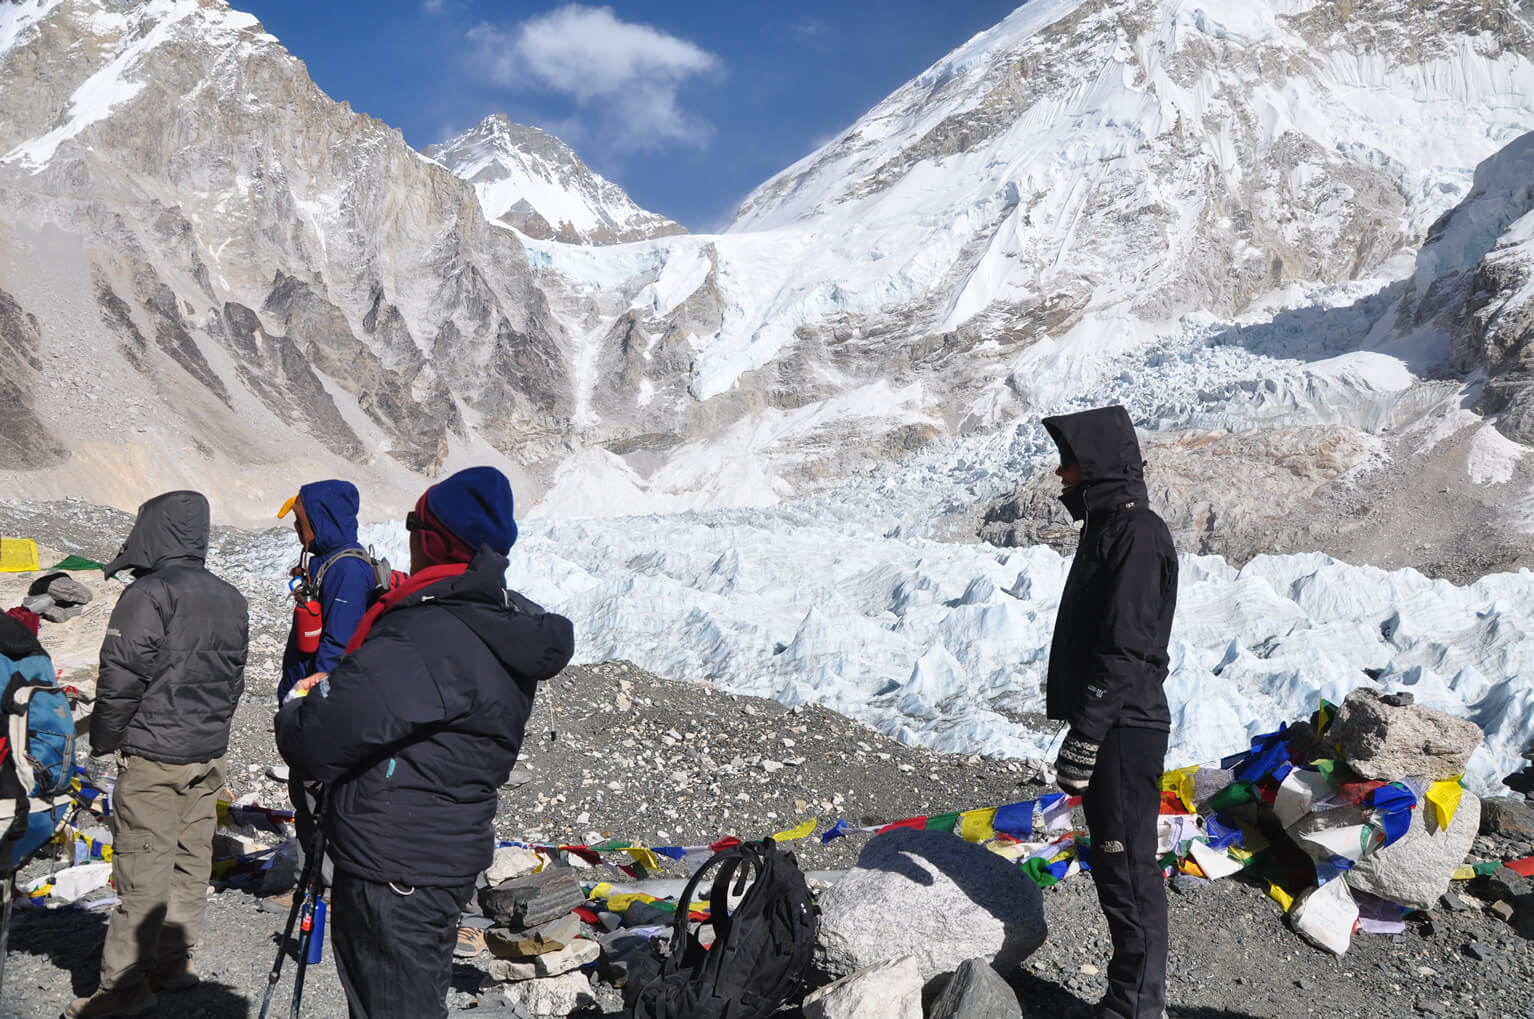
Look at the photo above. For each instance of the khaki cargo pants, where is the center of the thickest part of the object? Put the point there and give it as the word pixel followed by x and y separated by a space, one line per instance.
pixel 163 816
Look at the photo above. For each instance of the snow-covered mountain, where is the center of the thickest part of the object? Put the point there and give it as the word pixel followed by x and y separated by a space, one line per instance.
pixel 1215 213
pixel 217 275
pixel 532 181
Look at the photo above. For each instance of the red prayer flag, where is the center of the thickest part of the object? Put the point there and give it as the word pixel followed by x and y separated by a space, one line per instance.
pixel 918 823
pixel 1524 866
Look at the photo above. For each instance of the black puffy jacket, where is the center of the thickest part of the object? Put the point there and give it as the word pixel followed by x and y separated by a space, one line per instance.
pixel 173 662
pixel 417 729
pixel 1108 657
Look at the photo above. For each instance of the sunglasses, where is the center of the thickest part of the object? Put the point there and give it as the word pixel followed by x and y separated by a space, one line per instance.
pixel 413 522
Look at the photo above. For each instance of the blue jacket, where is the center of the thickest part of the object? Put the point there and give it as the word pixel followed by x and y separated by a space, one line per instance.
pixel 332 510
pixel 416 731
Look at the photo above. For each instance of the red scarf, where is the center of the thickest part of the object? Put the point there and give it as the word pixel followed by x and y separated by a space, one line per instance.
pixel 422 578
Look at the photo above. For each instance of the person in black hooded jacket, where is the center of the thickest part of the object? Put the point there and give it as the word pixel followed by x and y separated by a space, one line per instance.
pixel 414 732
pixel 1107 662
pixel 172 672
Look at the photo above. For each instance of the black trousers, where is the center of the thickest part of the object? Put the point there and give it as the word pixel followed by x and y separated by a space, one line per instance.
pixel 394 946
pixel 1121 804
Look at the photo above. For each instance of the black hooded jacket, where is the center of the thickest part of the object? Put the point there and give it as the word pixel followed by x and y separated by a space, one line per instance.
pixel 173 662
pixel 1108 658
pixel 416 730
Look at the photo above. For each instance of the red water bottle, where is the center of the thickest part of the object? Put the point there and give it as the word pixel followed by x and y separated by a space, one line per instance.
pixel 307 623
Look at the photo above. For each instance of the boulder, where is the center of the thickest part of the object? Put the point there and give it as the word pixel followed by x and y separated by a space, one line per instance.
pixel 1507 815
pixel 525 902
pixel 1505 884
pixel 551 996
pixel 1386 737
pixel 976 990
pixel 1523 916
pixel 551 964
pixel 890 990
pixel 505 943
pixel 932 896
pixel 1416 869
pixel 511 862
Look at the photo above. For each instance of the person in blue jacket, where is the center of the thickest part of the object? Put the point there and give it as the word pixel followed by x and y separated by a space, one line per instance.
pixel 414 732
pixel 337 570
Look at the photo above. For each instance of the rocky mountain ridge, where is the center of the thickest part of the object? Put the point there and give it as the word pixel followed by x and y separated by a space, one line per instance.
pixel 1205 214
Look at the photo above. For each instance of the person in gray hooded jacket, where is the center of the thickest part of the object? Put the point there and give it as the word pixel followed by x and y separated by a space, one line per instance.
pixel 172 671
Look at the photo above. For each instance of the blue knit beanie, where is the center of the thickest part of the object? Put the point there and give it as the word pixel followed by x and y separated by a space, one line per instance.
pixel 475 504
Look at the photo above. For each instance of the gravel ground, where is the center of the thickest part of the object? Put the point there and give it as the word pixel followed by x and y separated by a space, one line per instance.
pixel 664 762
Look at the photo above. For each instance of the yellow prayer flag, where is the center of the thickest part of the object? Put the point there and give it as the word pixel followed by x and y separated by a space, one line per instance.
pixel 646 858
pixel 623 900
pixel 1280 896
pixel 600 890
pixel 803 830
pixel 976 825
pixel 1464 872
pixel 1180 781
pixel 221 813
pixel 1443 800
pixel 18 555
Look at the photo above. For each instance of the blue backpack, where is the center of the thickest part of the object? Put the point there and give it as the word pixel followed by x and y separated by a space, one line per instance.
pixel 37 747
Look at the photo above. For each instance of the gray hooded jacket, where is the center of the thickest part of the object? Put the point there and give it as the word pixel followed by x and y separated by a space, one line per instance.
pixel 173 662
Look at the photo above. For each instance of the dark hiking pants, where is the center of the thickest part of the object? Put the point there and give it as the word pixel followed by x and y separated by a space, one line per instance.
pixel 394 945
pixel 1121 804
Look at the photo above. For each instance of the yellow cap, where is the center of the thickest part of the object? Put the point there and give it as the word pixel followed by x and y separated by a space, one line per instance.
pixel 287 507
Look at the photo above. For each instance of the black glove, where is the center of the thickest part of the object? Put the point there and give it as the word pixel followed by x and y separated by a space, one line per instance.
pixel 1073 766
pixel 99 769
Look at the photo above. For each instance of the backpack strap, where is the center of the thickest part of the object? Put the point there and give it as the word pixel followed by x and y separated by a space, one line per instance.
pixel 345 553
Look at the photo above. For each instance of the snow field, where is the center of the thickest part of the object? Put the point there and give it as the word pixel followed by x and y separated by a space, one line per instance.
pixel 947 645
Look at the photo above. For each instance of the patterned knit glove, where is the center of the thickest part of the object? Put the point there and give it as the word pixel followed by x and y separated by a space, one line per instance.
pixel 99 769
pixel 1073 766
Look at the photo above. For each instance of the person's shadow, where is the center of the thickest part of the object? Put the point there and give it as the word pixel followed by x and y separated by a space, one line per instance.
pixel 71 940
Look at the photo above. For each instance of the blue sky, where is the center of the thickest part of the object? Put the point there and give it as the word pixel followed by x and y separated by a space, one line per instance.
pixel 688 105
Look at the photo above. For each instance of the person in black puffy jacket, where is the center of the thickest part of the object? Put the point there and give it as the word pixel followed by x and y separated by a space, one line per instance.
pixel 414 732
pixel 172 672
pixel 1107 663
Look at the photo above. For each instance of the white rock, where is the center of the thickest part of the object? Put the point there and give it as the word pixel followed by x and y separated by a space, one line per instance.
pixel 572 957
pixel 510 862
pixel 890 990
pixel 1416 869
pixel 551 996
pixel 932 896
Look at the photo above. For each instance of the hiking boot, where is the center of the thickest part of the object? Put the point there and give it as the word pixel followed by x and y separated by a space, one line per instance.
pixel 133 1000
pixel 176 976
pixel 471 941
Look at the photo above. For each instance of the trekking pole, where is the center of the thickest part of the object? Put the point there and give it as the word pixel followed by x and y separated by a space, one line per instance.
pixel 309 874
pixel 5 923
pixel 312 905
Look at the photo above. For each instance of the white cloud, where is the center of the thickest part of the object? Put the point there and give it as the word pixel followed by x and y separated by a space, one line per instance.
pixel 433 6
pixel 625 74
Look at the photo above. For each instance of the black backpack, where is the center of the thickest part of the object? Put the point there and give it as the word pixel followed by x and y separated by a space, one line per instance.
pixel 761 950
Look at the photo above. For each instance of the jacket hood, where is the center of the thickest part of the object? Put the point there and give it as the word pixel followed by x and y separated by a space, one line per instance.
pixel 1103 442
pixel 331 507
pixel 169 526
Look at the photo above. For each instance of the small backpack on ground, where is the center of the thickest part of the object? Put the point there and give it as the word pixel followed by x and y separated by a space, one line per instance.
pixel 385 577
pixel 761 951
pixel 37 747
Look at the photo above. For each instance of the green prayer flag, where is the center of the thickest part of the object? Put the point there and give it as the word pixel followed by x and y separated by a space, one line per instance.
pixel 943 822
pixel 1233 795
pixel 74 562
